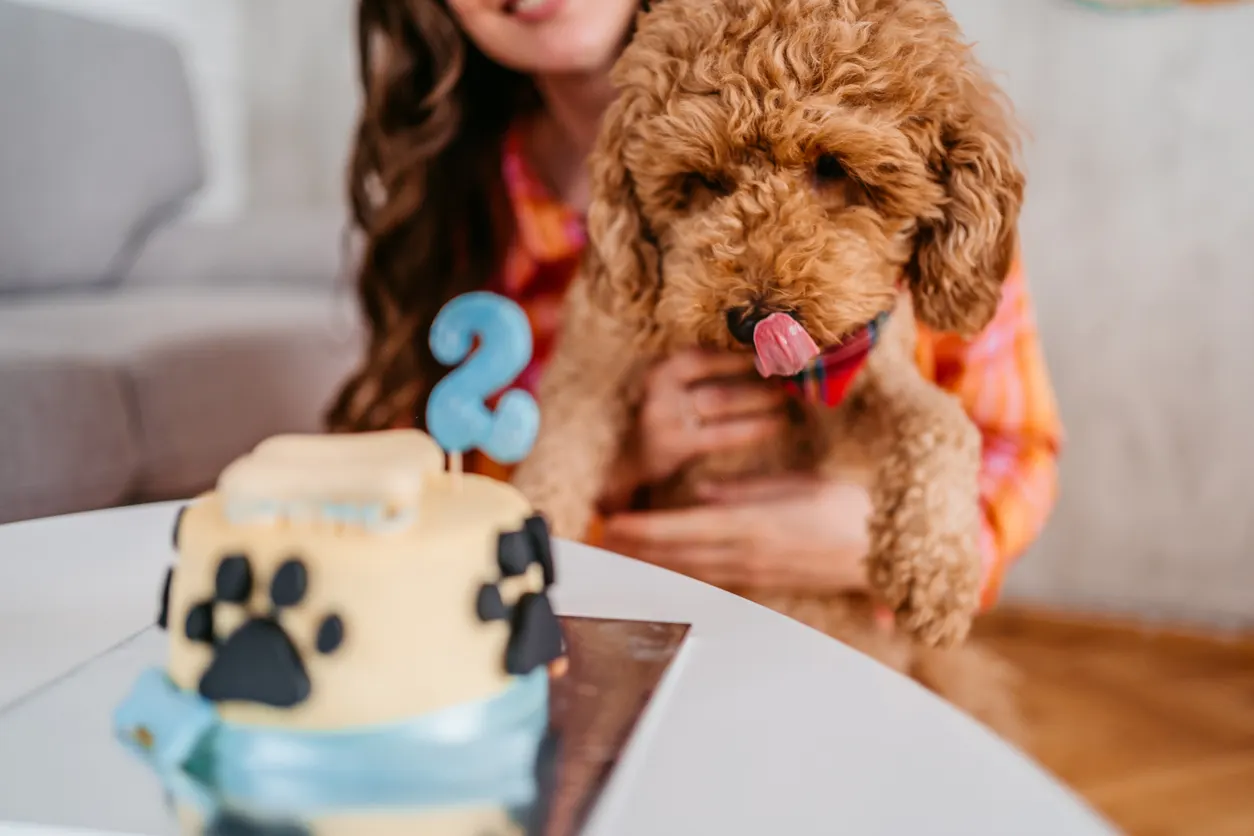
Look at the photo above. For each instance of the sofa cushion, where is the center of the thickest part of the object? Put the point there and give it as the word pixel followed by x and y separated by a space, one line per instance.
pixel 208 373
pixel 99 146
pixel 307 248
pixel 67 439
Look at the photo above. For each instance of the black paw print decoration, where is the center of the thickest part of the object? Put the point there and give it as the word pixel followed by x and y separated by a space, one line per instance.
pixel 535 636
pixel 258 662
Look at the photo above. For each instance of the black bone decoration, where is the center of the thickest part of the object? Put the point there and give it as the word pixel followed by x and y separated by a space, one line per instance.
pixel 488 604
pixel 537 528
pixel 514 553
pixel 258 663
pixel 163 614
pixel 535 635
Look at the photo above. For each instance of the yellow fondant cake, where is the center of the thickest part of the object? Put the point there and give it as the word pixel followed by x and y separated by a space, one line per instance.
pixel 353 628
pixel 366 556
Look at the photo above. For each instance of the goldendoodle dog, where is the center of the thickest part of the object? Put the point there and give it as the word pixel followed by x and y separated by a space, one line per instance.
pixel 790 177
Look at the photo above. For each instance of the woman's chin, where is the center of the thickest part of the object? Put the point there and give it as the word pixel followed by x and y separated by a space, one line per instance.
pixel 550 37
pixel 561 55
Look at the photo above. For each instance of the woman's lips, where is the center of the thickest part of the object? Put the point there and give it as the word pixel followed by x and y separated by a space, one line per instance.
pixel 783 347
pixel 533 11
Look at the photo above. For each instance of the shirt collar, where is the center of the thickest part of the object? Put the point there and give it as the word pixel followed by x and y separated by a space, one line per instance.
pixel 547 231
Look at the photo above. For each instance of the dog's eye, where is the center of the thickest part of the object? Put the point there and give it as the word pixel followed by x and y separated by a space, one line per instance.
pixel 716 184
pixel 827 169
pixel 695 185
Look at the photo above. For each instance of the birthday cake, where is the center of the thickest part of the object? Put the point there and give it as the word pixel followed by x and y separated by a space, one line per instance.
pixel 354 627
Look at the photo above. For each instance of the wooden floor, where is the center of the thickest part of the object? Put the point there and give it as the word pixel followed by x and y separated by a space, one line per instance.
pixel 1154 729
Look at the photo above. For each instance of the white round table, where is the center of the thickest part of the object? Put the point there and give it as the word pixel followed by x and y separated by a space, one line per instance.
pixel 760 725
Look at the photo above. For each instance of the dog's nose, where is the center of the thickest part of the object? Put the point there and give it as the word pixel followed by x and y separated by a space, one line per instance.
pixel 742 321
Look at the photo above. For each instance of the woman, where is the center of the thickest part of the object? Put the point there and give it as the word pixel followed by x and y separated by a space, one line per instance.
pixel 468 173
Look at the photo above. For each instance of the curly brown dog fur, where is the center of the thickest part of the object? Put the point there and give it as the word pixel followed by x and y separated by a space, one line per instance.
pixel 809 156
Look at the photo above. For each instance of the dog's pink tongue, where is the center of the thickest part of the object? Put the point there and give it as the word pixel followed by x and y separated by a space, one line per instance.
pixel 783 346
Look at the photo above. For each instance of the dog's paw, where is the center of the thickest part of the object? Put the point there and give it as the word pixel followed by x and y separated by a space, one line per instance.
pixel 933 603
pixel 926 571
pixel 925 527
pixel 257 661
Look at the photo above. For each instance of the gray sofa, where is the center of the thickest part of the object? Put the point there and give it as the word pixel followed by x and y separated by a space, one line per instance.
pixel 139 350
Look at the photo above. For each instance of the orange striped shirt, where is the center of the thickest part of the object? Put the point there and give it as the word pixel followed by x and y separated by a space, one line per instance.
pixel 1000 376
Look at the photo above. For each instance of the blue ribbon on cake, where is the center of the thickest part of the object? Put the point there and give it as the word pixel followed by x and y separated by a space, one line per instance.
pixel 481 751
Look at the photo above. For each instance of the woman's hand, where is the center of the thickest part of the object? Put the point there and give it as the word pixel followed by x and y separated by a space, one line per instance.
pixel 695 402
pixel 787 534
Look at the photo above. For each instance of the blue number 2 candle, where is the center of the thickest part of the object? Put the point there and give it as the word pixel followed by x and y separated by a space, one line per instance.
pixel 457 415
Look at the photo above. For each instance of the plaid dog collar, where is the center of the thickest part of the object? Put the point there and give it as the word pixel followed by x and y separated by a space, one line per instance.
pixel 827 379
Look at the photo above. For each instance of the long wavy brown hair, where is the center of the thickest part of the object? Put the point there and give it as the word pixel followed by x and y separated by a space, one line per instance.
pixel 426 191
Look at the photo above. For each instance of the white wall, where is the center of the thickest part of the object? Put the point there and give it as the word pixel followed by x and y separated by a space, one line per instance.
pixel 275 92
pixel 209 33
pixel 299 57
pixel 1137 229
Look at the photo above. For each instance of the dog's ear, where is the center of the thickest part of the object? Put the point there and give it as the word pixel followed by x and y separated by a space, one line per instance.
pixel 621 260
pixel 962 255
